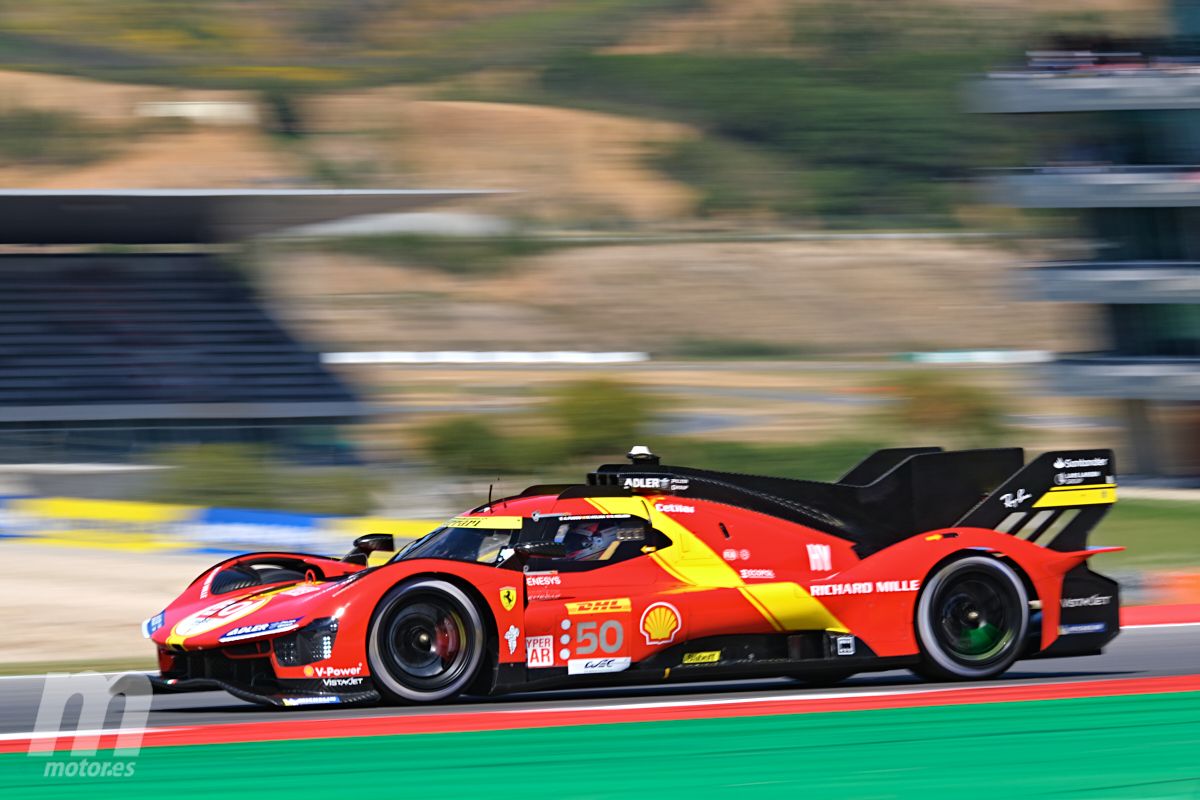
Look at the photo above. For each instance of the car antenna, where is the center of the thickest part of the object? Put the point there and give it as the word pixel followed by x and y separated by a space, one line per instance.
pixel 503 500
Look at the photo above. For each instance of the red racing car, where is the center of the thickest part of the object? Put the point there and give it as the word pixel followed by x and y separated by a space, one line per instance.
pixel 952 564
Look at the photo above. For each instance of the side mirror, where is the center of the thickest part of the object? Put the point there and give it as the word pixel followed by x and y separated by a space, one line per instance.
pixel 542 549
pixel 374 542
pixel 367 544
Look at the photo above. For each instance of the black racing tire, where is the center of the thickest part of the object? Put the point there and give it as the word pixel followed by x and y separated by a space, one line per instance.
pixel 971 620
pixel 426 642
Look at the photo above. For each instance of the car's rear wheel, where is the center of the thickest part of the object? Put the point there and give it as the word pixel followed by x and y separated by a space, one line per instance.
pixel 972 616
pixel 426 642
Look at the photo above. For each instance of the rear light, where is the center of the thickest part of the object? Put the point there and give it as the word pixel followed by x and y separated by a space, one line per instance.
pixel 313 642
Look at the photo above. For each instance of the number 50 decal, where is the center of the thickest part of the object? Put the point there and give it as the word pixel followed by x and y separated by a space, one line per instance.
pixel 608 639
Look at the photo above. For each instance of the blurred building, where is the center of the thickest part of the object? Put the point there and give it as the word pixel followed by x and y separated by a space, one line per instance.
pixel 106 353
pixel 1118 129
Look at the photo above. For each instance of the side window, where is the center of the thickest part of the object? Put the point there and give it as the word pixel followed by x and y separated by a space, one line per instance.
pixel 593 543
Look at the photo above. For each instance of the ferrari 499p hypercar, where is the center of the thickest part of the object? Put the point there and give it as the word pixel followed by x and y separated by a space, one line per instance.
pixel 952 564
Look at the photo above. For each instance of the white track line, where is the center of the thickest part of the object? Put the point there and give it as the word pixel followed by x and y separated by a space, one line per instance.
pixel 722 701
pixel 72 734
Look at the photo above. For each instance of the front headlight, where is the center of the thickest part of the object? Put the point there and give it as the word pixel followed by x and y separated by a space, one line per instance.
pixel 313 642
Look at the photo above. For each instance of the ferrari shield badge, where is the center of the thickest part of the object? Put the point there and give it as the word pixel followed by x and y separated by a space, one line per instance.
pixel 508 597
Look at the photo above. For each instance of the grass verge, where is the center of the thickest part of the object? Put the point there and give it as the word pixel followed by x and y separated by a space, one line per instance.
pixel 1157 534
pixel 103 665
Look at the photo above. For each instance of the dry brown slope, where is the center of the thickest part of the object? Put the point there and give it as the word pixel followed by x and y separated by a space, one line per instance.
pixel 838 295
pixel 563 164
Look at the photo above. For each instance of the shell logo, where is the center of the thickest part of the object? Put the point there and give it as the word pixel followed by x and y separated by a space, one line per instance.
pixel 660 623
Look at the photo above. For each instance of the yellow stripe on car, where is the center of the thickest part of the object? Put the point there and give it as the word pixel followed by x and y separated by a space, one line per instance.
pixel 786 605
pixel 1093 495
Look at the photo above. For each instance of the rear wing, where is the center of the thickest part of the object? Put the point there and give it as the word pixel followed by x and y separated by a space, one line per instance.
pixel 1055 500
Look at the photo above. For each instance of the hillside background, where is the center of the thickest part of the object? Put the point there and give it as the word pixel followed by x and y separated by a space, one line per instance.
pixel 757 193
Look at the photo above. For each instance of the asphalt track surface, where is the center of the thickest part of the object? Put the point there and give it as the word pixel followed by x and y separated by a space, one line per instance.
pixel 1138 653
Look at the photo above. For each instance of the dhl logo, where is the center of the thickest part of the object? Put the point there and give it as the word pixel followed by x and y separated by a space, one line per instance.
pixel 616 604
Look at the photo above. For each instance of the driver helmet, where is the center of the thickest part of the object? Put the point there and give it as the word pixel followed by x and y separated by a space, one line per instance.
pixel 583 540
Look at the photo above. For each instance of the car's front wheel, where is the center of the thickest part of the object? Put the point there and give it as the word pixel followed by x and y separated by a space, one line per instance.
pixel 426 642
pixel 971 620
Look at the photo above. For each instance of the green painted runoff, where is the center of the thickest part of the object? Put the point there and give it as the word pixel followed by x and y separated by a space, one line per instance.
pixel 1144 746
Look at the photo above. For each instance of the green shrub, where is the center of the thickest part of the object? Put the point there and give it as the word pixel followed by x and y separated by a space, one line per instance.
pixel 583 419
pixel 468 445
pixel 932 405
pixel 282 117
pixel 701 347
pixel 733 176
pixel 864 117
pixel 33 136
pixel 464 444
pixel 249 476
pixel 599 416
pixel 343 491
pixel 457 255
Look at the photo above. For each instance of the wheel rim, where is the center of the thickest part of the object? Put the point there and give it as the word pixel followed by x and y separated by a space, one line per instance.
pixel 976 623
pixel 428 643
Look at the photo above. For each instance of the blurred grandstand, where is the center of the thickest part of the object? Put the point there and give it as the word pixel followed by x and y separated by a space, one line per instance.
pixel 1116 121
pixel 107 354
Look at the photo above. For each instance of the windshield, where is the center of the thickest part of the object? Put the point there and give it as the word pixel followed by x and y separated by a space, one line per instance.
pixel 481 545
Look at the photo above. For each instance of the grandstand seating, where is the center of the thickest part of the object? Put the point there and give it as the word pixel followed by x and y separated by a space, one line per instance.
pixel 136 329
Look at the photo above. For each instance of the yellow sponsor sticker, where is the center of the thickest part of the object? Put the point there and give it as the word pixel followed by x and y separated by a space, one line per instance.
pixel 707 657
pixel 1086 495
pixel 613 605
pixel 494 523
